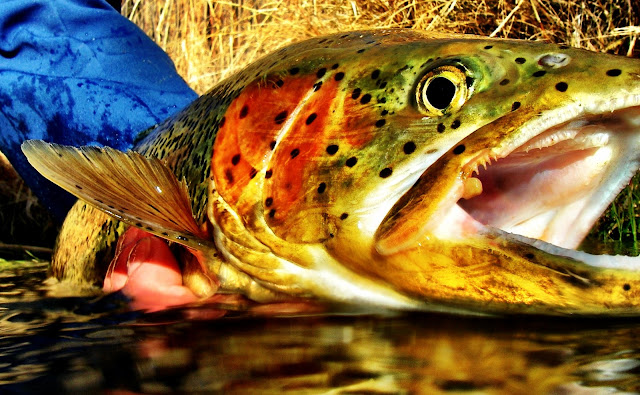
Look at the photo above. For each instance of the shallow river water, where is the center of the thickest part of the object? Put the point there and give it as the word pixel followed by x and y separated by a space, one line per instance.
pixel 95 345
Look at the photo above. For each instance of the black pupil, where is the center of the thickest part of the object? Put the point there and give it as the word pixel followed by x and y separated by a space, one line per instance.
pixel 440 92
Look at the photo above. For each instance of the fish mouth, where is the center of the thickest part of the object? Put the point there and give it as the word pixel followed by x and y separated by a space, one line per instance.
pixel 548 190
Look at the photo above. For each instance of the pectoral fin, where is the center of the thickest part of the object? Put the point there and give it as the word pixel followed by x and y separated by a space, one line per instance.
pixel 140 191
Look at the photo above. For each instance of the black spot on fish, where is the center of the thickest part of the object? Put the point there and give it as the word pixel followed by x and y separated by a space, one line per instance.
pixel 529 256
pixel 268 174
pixel 322 187
pixel 614 72
pixel 409 147
pixel 441 128
pixel 280 118
pixel 150 229
pixel 366 98
pixel 294 71
pixel 386 172
pixel 295 152
pixel 380 123
pixel 361 50
pixel 626 287
pixel 253 172
pixel 335 66
pixel 458 386
pixel 455 124
pixel 222 122
pixel 139 224
pixel 351 161
pixel 229 176
pixel 344 216
pixel 332 149
pixel 268 202
pixel 488 47
pixel 539 73
pixel 317 86
pixel 339 76
pixel 236 159
pixel 321 72
pixel 279 83
pixel 562 86
pixel 384 112
pixel 515 105
pixel 459 149
pixel 520 60
pixel 504 82
pixel 311 118
pixel 78 186
pixel 272 213
pixel 244 111
pixel 165 234
pixel 272 145
pixel 375 74
pixel 355 94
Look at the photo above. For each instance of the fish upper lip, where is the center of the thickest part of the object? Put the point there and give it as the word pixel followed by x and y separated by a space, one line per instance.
pixel 610 131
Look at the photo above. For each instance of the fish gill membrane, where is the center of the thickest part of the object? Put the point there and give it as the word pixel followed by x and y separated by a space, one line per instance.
pixel 391 168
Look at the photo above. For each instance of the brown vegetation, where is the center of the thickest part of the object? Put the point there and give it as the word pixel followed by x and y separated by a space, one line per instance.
pixel 209 40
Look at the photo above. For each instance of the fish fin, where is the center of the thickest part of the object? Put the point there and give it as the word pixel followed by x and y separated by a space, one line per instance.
pixel 140 191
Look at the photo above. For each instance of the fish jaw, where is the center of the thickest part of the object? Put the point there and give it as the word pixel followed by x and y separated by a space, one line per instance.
pixel 559 182
pixel 553 187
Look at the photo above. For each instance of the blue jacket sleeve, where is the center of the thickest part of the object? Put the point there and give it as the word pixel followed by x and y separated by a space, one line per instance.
pixel 76 72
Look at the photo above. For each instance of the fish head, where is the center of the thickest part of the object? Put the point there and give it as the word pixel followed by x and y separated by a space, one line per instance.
pixel 551 138
pixel 377 138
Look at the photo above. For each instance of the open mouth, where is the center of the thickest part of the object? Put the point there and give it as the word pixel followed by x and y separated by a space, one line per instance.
pixel 555 186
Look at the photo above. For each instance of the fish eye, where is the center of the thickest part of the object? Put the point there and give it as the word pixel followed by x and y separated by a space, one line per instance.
pixel 442 90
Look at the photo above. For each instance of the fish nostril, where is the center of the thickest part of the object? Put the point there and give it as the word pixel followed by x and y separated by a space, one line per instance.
pixel 554 60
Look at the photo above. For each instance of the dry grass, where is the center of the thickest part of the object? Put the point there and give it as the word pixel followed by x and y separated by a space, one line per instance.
pixel 209 40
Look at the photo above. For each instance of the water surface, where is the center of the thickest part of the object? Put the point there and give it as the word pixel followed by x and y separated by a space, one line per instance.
pixel 71 344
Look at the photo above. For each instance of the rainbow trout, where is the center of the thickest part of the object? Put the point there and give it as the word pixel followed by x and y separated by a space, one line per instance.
pixel 391 168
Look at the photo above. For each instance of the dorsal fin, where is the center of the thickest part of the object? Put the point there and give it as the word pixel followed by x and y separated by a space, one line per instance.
pixel 140 191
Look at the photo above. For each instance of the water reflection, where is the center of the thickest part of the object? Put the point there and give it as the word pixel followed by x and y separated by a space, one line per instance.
pixel 71 345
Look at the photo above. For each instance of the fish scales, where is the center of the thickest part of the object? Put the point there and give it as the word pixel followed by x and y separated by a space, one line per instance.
pixel 402 169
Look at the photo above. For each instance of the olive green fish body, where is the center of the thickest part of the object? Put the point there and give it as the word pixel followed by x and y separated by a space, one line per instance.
pixel 396 168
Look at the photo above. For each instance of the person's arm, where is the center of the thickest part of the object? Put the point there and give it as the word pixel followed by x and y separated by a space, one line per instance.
pixel 76 72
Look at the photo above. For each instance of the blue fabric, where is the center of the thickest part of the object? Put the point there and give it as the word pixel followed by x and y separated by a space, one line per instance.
pixel 76 72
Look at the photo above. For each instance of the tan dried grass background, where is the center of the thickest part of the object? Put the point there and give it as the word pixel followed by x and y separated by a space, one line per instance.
pixel 209 40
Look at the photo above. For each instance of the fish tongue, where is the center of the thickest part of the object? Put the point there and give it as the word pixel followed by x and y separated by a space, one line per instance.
pixel 472 188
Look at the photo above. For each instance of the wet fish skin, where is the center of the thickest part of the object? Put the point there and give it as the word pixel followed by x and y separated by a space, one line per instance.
pixel 321 171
